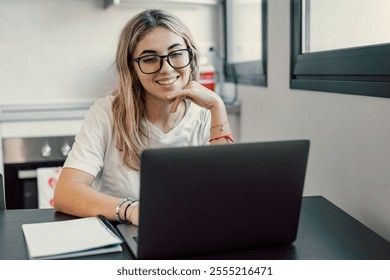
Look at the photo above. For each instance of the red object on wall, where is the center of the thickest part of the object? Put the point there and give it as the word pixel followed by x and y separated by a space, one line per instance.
pixel 207 76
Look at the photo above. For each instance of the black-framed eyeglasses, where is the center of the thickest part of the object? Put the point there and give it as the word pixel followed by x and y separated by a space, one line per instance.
pixel 152 63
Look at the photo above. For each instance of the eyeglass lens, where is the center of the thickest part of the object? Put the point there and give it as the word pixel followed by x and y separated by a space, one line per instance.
pixel 153 63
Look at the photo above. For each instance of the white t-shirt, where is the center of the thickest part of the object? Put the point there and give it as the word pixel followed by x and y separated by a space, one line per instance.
pixel 94 149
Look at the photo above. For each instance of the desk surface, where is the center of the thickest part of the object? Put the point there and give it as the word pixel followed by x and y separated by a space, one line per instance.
pixel 325 232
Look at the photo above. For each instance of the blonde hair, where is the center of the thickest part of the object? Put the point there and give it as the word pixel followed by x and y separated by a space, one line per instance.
pixel 129 105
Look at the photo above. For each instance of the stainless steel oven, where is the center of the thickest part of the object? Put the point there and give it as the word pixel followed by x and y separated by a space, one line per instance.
pixel 22 158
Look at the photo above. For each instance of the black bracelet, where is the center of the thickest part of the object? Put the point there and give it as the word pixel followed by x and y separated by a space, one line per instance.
pixel 118 207
pixel 125 214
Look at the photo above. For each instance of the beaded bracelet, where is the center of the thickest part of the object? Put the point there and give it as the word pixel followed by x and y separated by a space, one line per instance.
pixel 118 219
pixel 127 207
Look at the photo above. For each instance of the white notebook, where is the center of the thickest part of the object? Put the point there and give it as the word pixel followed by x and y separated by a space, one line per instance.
pixel 70 238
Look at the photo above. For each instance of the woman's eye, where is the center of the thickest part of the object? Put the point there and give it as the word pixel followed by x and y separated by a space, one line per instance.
pixel 150 60
pixel 176 54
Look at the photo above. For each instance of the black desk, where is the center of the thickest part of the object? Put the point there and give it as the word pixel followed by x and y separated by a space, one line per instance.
pixel 325 232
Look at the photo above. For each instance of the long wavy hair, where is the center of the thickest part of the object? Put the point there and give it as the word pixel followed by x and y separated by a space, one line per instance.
pixel 129 105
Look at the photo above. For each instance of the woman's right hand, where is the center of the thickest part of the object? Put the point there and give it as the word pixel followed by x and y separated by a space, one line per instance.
pixel 196 93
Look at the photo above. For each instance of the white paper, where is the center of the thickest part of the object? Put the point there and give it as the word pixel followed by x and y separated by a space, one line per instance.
pixel 71 236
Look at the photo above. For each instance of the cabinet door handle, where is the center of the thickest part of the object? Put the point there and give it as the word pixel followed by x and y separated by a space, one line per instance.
pixel 27 174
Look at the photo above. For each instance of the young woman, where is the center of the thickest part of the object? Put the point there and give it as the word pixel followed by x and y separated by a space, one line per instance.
pixel 157 103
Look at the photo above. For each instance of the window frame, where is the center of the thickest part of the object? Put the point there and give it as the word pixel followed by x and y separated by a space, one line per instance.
pixel 358 70
pixel 251 72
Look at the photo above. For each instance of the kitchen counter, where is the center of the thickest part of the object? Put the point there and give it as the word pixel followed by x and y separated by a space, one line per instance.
pixel 52 119
pixel 57 119
pixel 64 119
pixel 46 119
pixel 40 120
pixel 63 111
pixel 52 111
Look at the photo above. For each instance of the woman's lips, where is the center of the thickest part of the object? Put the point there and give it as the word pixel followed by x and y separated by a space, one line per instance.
pixel 166 82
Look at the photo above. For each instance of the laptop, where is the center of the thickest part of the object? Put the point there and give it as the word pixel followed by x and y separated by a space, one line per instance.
pixel 218 198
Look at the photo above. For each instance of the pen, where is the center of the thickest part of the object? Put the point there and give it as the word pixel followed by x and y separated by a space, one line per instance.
pixel 110 227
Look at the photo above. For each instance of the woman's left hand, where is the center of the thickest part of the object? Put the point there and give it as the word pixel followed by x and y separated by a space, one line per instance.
pixel 196 93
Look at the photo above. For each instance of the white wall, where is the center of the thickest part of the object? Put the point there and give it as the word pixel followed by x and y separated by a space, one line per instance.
pixel 349 162
pixel 56 50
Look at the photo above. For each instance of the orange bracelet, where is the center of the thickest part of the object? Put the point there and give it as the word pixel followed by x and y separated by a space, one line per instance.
pixel 226 136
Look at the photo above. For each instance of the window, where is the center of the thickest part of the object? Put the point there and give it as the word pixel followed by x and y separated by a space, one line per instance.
pixel 341 46
pixel 246 23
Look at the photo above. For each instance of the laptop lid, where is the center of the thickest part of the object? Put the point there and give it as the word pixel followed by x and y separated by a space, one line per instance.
pixel 199 200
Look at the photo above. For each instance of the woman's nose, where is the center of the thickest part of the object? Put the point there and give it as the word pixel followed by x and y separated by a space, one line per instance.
pixel 165 67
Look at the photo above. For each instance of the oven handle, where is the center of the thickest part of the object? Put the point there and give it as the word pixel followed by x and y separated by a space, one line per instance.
pixel 27 174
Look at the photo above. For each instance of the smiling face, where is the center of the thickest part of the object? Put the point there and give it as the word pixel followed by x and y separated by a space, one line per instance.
pixel 161 41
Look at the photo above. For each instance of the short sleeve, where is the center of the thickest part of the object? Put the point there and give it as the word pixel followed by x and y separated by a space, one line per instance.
pixel 88 151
